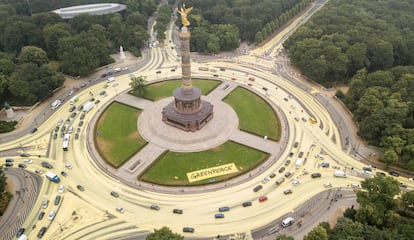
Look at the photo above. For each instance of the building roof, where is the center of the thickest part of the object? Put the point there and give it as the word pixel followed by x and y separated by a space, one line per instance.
pixel 92 9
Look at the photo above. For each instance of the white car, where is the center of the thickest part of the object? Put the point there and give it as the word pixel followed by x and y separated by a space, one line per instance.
pixel 28 161
pixel 68 166
pixel 295 182
pixel 328 185
pixel 411 179
pixel 61 189
pixel 60 122
pixel 120 209
pixel 265 180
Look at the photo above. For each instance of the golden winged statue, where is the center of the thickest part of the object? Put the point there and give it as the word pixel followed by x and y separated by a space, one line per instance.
pixel 184 12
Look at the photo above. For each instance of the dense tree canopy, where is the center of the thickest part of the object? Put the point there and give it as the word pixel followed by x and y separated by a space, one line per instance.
pixel 164 234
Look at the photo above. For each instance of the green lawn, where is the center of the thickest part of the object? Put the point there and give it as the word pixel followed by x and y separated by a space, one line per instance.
pixel 171 168
pixel 116 134
pixel 159 90
pixel 255 114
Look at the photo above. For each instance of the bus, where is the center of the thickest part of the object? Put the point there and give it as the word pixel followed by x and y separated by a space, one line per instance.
pixel 66 142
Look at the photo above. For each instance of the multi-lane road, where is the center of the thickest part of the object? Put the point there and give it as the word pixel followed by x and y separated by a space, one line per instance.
pixel 92 214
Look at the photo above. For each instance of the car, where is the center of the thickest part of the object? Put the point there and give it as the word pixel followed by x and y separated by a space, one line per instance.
pixel 20 232
pixel 355 185
pixel 177 211
pixel 30 161
pixel 52 215
pixel 67 122
pixel 224 209
pixel 411 179
pixel 38 171
pixel 41 215
pixel 62 135
pixel 68 166
pixel 155 207
pixel 80 124
pixel 287 222
pixel 316 175
pixel 295 182
pixel 257 188
pixel 73 115
pixel 272 175
pixel 78 130
pixel 287 162
pixel 57 200
pixel 103 75
pixel 65 174
pixel 246 204
pixel 288 174
pixel 24 154
pixel 219 215
pixel 252 78
pixel 291 154
pixel 300 154
pixel 327 185
pixel 233 78
pixel 103 93
pixel 82 116
pixel 80 107
pixel 114 194
pixel 403 185
pixel 158 72
pixel 45 203
pixel 287 191
pixel 324 164
pixel 80 187
pixel 9 164
pixel 262 198
pixel 33 130
pixel 286 99
pixel 70 129
pixel 188 229
pixel 21 165
pixel 76 136
pixel 215 75
pixel 46 165
pixel 61 189
pixel 281 169
pixel 265 180
pixel 380 174
pixel 120 209
pixel 57 129
pixel 83 85
pixel 296 144
pixel 72 108
pixel 304 119
pixel 63 129
pixel 41 232
pixel 124 68
pixel 394 173
pixel 97 101
pixel 92 100
pixel 9 160
pixel 55 136
pixel 59 122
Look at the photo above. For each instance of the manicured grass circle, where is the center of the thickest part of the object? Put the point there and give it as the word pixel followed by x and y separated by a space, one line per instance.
pixel 171 168
pixel 160 90
pixel 256 116
pixel 116 135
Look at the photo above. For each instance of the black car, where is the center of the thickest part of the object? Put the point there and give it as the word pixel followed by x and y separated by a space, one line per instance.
pixel 287 162
pixel 394 173
pixel 257 188
pixel 57 200
pixel 65 174
pixel 9 160
pixel 57 129
pixel 316 175
pixel 46 165
pixel 9 164
pixel 80 108
pixel 73 115
pixel 72 108
pixel 272 175
pixel 82 116
pixel 178 211
pixel 80 123
pixel 281 169
pixel 247 204
pixel 21 165
pixel 63 129
pixel 80 187
pixel 300 154
pixel 55 136
pixel 76 136
pixel 41 215
pixel 97 101
pixel 33 130
pixel 296 144
pixel 291 154
pixel 114 194
pixel 20 232
pixel 188 229
pixel 42 232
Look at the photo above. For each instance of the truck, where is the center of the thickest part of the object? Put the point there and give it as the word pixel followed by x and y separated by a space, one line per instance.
pixel 88 106
pixel 298 163
pixel 340 174
pixel 73 100
pixel 55 104
pixel 203 68
pixel 52 177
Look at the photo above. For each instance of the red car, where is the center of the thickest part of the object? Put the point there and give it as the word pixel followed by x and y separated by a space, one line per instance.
pixel 251 78
pixel 233 78
pixel 250 84
pixel 262 198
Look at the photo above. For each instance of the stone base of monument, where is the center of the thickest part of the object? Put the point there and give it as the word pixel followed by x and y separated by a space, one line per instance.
pixel 187 112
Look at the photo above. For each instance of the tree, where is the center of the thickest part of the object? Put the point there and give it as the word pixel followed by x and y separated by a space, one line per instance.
pixel 318 233
pixel 347 227
pixel 3 180
pixel 138 84
pixel 32 54
pixel 164 234
pixel 407 200
pixel 284 237
pixel 390 157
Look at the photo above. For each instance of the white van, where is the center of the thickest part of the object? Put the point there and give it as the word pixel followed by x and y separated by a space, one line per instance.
pixel 288 221
pixel 111 79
